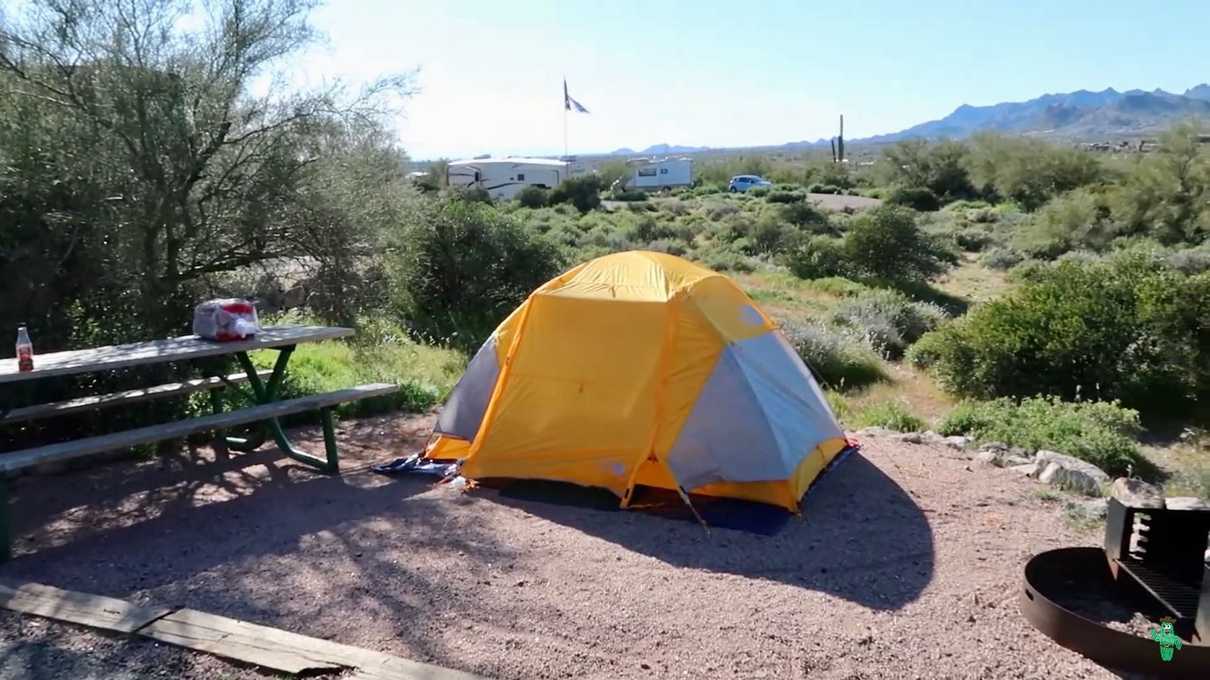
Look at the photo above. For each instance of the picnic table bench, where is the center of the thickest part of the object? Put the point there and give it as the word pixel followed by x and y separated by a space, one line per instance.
pixel 200 353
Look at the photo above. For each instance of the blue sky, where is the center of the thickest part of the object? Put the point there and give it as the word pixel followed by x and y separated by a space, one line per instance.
pixel 737 73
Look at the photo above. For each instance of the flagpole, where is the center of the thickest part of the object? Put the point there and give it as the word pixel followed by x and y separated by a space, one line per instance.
pixel 564 117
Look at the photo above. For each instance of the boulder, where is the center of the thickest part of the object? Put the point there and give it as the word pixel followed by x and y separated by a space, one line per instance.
pixel 1028 469
pixel 930 437
pixel 994 446
pixel 1013 459
pixel 910 437
pixel 1135 493
pixel 1186 503
pixel 957 442
pixel 1071 473
pixel 987 458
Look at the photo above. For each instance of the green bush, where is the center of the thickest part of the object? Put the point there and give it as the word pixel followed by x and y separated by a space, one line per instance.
pixel 1102 433
pixel 838 359
pixel 1129 328
pixel 459 268
pixel 916 198
pixel 892 415
pixel 583 192
pixel 769 236
pixel 824 189
pixel 628 195
pixel 817 258
pixel 805 216
pixel 1000 258
pixel 786 197
pixel 886 243
pixel 973 239
pixel 758 192
pixel 533 197
pixel 1191 260
pixel 887 319
pixel 724 258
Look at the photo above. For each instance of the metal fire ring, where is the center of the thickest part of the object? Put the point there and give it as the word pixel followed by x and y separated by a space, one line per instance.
pixel 1056 571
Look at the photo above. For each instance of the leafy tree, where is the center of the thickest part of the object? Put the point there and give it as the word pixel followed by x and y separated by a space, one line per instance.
pixel 939 167
pixel 1167 194
pixel 532 197
pixel 1028 171
pixel 460 267
pixel 167 169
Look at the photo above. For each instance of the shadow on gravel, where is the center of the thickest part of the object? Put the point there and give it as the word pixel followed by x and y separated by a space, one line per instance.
pixel 861 537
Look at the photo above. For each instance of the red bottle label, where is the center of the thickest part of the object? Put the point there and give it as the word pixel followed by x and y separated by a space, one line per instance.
pixel 25 359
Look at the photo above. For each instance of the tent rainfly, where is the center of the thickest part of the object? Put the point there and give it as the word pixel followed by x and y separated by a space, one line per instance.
pixel 640 368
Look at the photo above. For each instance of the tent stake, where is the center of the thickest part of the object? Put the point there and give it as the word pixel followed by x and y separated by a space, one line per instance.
pixel 685 497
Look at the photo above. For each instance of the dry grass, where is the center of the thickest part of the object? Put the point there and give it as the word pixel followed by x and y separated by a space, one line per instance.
pixel 974 282
pixel 913 388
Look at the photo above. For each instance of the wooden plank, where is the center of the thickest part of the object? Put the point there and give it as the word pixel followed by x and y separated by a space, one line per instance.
pixel 240 640
pixel 87 610
pixel 19 460
pixel 286 651
pixel 161 351
pixel 99 401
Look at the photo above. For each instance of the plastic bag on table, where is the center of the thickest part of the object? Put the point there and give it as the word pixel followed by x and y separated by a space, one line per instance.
pixel 225 320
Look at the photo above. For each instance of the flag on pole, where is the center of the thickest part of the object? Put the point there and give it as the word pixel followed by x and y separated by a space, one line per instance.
pixel 570 104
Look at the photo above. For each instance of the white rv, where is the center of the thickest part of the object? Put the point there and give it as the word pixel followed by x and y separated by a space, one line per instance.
pixel 660 173
pixel 503 178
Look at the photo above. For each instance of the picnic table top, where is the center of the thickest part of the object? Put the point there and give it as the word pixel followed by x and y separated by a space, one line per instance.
pixel 160 351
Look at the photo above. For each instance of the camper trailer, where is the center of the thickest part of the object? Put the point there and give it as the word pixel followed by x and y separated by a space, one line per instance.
pixel 503 178
pixel 660 173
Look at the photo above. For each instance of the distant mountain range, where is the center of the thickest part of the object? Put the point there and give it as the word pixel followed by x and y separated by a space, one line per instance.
pixel 1074 115
pixel 1080 115
pixel 658 149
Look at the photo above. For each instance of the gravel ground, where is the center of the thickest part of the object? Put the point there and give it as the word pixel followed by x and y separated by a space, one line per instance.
pixel 906 563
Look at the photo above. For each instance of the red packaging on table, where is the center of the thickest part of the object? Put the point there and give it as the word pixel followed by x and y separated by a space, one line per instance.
pixel 225 320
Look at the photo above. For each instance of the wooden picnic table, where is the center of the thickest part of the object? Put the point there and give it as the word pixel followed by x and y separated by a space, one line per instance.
pixel 203 355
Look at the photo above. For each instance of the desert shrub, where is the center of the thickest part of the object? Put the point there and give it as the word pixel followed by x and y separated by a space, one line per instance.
pixel 631 195
pixel 769 235
pixel 785 196
pixel 642 207
pixel 1102 433
pixel 758 192
pixel 724 257
pixel 1000 258
pixel 838 286
pixel 671 247
pixel 817 257
pixel 916 198
pixel 936 166
pixel 886 243
pixel 805 215
pixel 926 350
pixel 469 194
pixel 887 319
pixel 893 415
pixel 532 196
pixel 1191 260
pixel 838 404
pixel 648 228
pixel 973 239
pixel 1129 328
pixel 838 359
pixel 459 268
pixel 1078 219
pixel 824 189
pixel 1028 171
pixel 719 211
pixel 583 192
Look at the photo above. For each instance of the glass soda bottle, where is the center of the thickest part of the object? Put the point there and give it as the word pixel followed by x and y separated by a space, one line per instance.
pixel 25 350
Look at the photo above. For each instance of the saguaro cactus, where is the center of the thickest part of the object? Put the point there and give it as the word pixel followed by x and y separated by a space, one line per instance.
pixel 840 141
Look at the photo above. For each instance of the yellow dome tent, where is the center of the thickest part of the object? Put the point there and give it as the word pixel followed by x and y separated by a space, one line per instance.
pixel 641 368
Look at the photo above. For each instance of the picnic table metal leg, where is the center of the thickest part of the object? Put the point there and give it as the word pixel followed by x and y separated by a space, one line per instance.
pixel 267 392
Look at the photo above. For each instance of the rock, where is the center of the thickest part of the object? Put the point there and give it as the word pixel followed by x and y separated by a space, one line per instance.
pixel 1186 503
pixel 1134 493
pixel 1069 472
pixel 910 437
pixel 1028 469
pixel 1012 460
pixel 957 442
pixel 930 437
pixel 873 432
pixel 987 458
pixel 994 446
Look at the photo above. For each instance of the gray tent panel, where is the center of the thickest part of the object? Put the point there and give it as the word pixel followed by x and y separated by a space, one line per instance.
pixel 759 414
pixel 463 411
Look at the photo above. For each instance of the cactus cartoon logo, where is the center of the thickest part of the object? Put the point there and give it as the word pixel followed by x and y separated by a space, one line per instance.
pixel 1169 642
